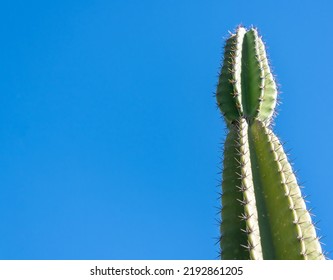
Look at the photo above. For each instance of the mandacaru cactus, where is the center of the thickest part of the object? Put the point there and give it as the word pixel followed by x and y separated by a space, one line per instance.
pixel 264 215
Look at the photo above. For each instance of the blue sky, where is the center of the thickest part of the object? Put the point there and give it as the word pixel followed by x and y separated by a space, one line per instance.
pixel 110 136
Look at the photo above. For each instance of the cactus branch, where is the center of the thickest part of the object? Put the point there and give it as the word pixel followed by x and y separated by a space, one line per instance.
pixel 264 215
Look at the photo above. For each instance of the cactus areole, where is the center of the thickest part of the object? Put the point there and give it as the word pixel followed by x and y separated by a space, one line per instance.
pixel 264 215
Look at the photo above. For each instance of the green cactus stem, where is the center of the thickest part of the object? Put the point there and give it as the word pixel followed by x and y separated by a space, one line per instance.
pixel 264 215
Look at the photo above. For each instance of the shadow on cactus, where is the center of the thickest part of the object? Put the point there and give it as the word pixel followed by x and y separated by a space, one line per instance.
pixel 264 215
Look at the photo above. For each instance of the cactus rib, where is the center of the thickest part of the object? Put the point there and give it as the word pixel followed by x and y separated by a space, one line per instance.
pixel 239 207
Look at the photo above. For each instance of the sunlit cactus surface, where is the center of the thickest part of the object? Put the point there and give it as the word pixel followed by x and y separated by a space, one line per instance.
pixel 264 215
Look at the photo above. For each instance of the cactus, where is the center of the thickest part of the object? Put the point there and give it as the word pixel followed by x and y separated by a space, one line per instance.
pixel 264 215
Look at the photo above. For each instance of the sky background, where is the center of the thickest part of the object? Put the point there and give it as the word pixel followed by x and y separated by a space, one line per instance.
pixel 110 139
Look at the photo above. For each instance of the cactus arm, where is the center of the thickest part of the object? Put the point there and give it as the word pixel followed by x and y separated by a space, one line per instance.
pixel 285 225
pixel 276 219
pixel 311 247
pixel 246 86
pixel 240 231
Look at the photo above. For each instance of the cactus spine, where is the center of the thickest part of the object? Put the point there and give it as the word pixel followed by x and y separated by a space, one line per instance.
pixel 264 215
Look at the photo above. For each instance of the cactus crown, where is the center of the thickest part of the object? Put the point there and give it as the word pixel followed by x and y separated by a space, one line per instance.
pixel 246 85
pixel 264 215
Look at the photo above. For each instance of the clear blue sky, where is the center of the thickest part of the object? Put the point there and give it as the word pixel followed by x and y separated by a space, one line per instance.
pixel 110 137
